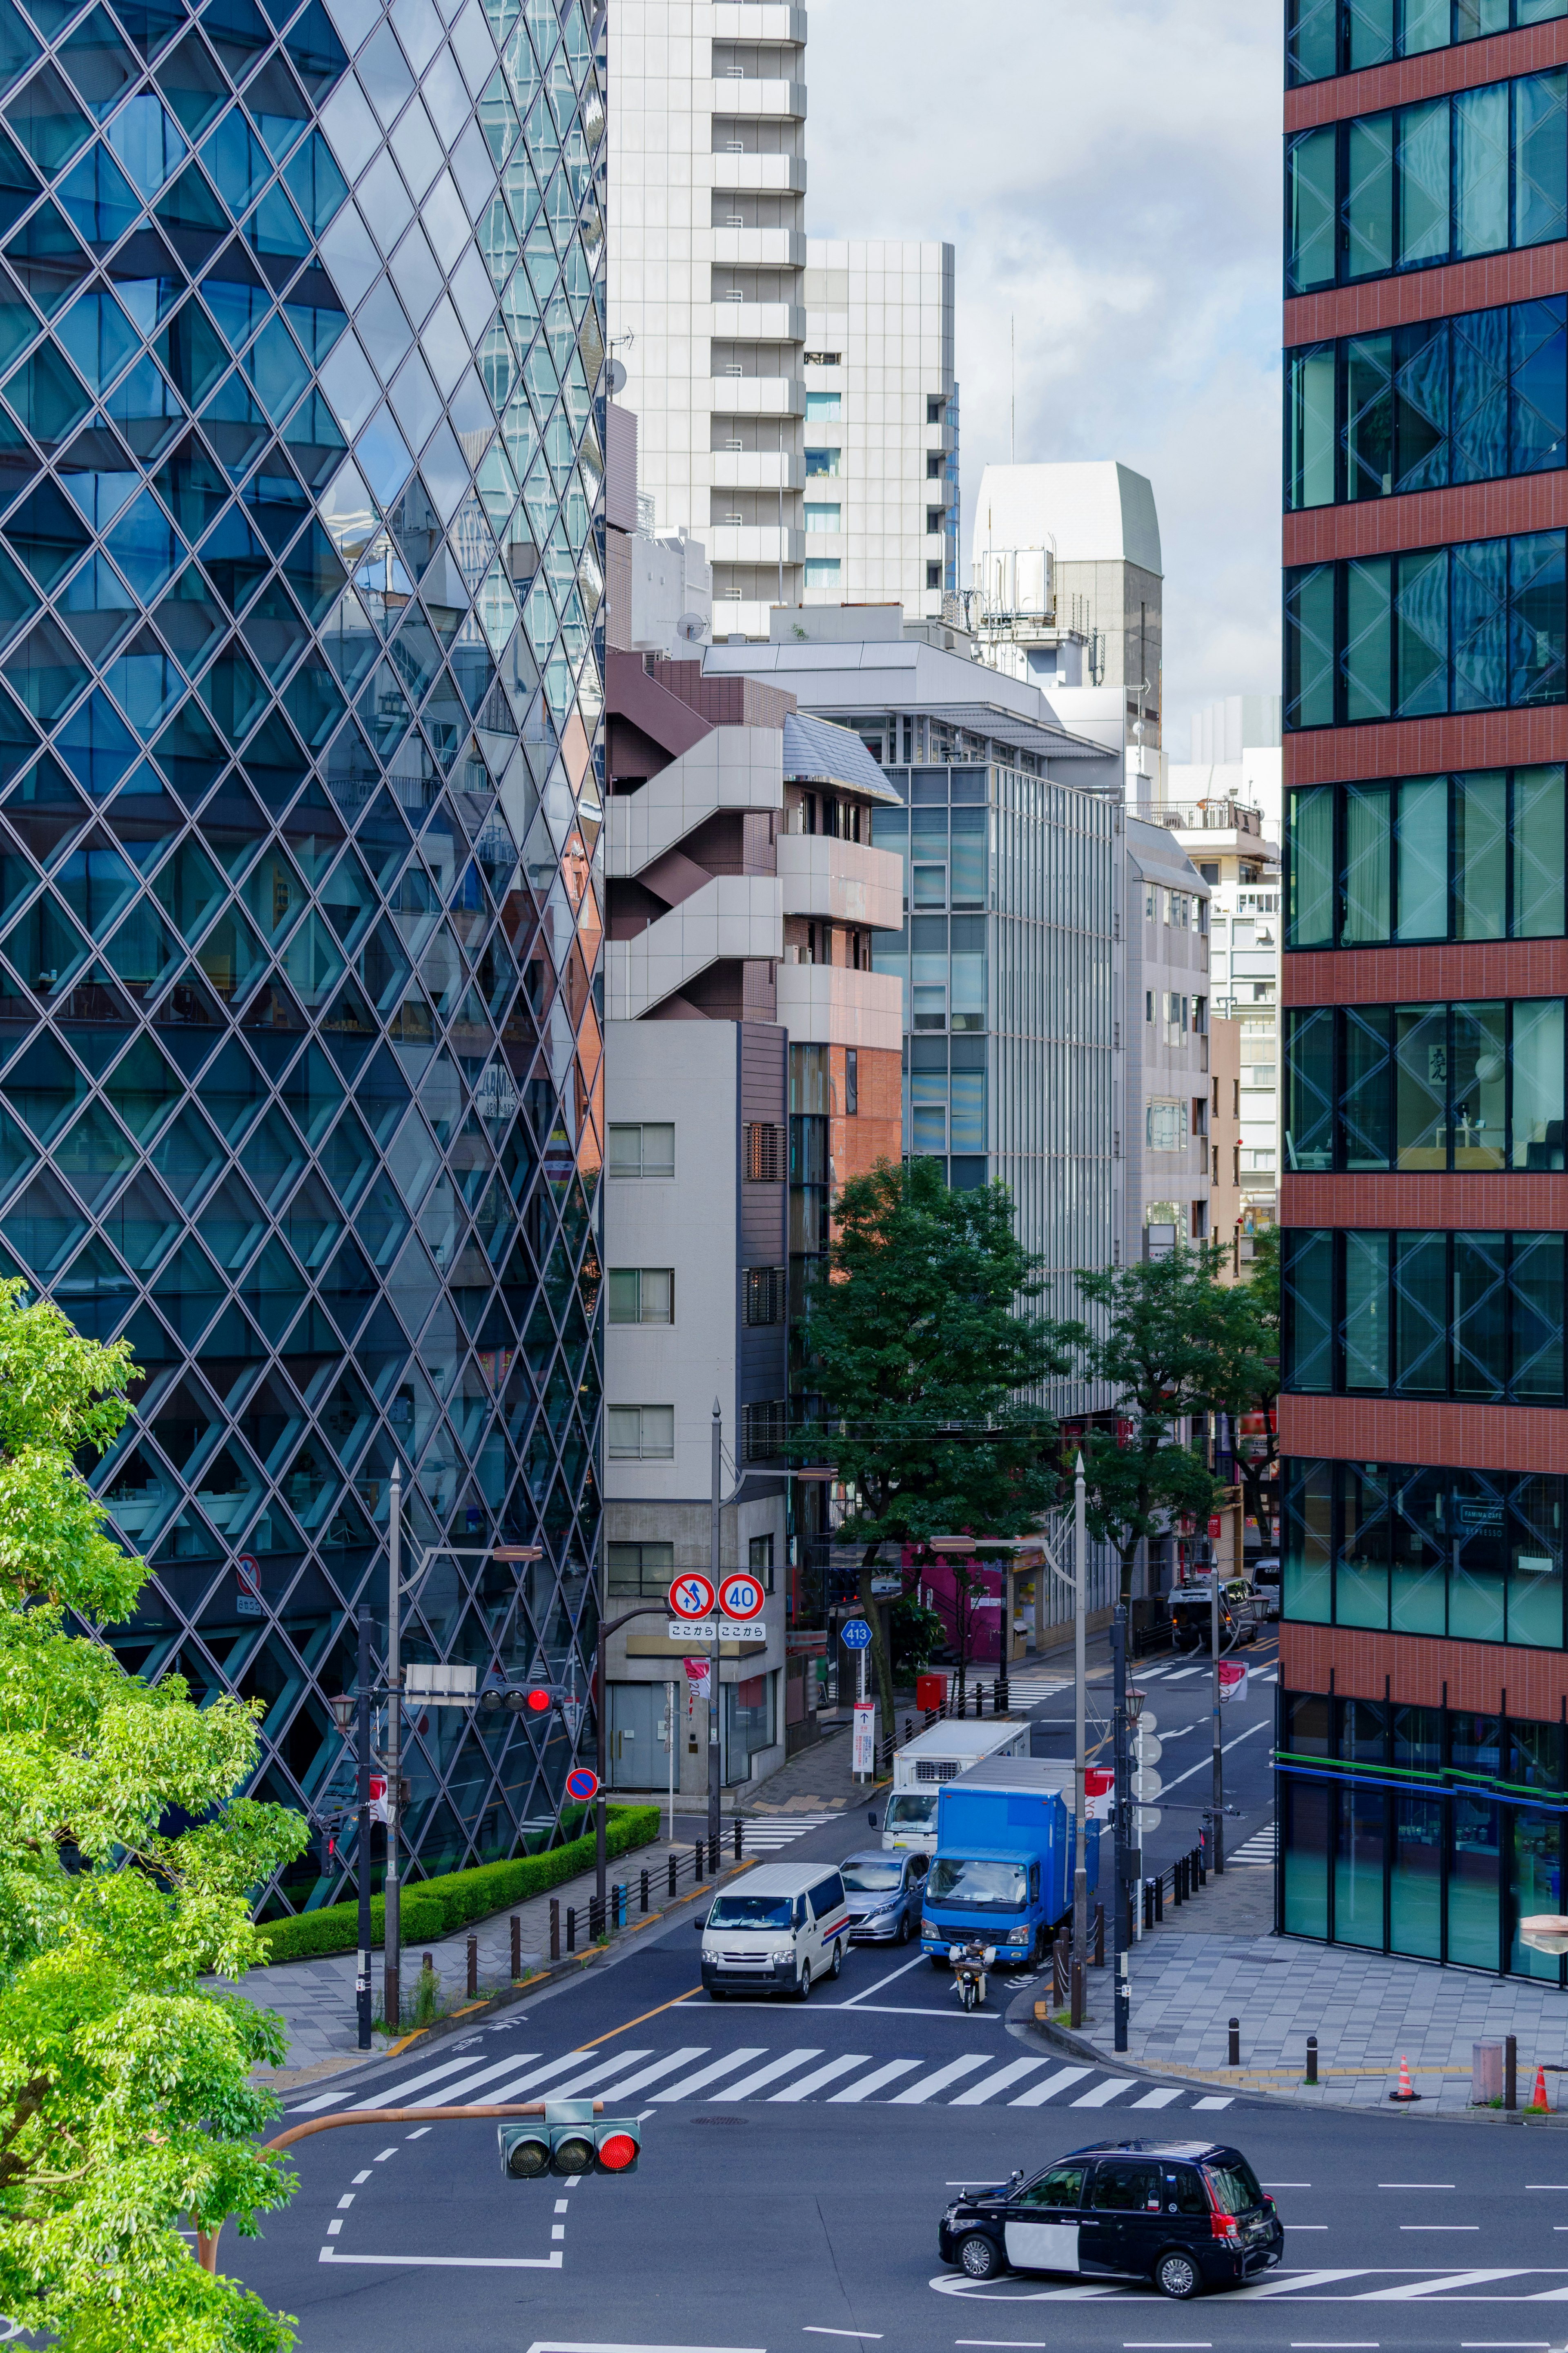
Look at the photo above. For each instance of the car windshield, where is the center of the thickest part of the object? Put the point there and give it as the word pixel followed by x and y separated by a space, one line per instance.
pixel 978 1886
pixel 1236 2187
pixel 912 1809
pixel 751 1912
pixel 868 1878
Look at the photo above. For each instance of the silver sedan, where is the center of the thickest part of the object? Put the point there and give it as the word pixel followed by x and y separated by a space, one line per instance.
pixel 882 1889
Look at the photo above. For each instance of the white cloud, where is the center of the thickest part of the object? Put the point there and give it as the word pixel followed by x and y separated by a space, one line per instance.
pixel 1111 179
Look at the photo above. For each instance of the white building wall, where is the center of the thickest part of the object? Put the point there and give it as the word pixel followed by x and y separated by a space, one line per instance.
pixel 879 363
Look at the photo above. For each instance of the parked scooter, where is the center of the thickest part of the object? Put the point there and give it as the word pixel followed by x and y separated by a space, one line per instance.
pixel 970 1963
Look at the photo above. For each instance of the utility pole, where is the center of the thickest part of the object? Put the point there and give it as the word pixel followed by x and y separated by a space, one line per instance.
pixel 1123 1852
pixel 1081 1752
pixel 715 1513
pixel 392 1942
pixel 362 1982
pixel 1218 1762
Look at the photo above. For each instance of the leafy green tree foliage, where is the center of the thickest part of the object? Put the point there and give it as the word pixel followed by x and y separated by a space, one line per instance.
pixel 126 2105
pixel 924 1348
pixel 1158 1341
pixel 1249 1375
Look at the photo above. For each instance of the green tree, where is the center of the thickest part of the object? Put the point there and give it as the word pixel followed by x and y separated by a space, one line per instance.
pixel 922 1349
pixel 1157 1343
pixel 126 2105
pixel 1248 1377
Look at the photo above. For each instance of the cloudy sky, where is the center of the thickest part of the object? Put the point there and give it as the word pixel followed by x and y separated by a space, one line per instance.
pixel 1110 178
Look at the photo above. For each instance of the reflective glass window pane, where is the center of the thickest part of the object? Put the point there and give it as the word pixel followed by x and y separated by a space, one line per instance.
pixel 1307 1563
pixel 1312 868
pixel 1305 1861
pixel 1364 889
pixel 1368 209
pixel 1540 172
pixel 1358 1868
pixel 1421 1086
pixel 1421 1313
pixel 1308 1300
pixel 1537 1124
pixel 1310 1089
pixel 1366 662
pixel 1421 406
pixel 1365 1333
pixel 1366 1128
pixel 1480 1324
pixel 1310 434
pixel 1369 416
pixel 1535 1316
pixel 1421 850
pixel 1480 855
pixel 1360 1581
pixel 1416 1878
pixel 1424 141
pixel 1535 1562
pixel 1309 658
pixel 1473 1924
pixel 1421 634
pixel 1420 1547
pixel 1540 853
pixel 1478 1088
pixel 1481 169
pixel 1311 213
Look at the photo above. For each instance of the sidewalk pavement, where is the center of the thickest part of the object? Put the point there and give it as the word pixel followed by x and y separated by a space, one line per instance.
pixel 316 1998
pixel 1216 1957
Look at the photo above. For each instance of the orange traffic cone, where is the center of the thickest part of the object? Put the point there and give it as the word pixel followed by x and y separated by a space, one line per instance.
pixel 1407 2089
pixel 1538 2098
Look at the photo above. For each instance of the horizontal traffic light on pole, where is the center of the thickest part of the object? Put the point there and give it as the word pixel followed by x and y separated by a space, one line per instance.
pixel 570 2139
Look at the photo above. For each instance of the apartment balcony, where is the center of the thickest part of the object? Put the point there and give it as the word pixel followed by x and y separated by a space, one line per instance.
pixel 757 322
pixel 750 617
pixel 759 175
pixel 752 98
pixel 756 248
pixel 729 768
pixel 757 396
pixel 759 20
pixel 733 916
pixel 758 469
pixel 841 882
pixel 828 1004
pixel 753 543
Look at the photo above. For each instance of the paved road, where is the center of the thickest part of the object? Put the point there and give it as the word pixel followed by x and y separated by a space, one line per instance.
pixel 796 2160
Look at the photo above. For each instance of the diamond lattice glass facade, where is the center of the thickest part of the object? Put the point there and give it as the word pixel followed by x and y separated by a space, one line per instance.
pixel 301 568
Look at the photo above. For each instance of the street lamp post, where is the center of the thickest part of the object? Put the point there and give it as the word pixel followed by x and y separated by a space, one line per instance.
pixel 1218 1758
pixel 601 1710
pixel 715 1515
pixel 1081 1752
pixel 1128 1707
pixel 362 1981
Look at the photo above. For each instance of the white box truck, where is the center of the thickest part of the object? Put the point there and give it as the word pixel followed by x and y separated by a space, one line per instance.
pixel 922 1765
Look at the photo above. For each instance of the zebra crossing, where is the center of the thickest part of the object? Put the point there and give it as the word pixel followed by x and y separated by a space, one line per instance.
pixel 1261 1847
pixel 766 1833
pixel 805 2072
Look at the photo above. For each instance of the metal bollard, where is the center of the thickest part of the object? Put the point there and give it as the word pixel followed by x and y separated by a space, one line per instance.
pixel 1159 1899
pixel 1006 1702
pixel 674 1867
pixel 642 1893
pixel 1099 1935
pixel 473 1967
pixel 571 1928
pixel 1311 2058
pixel 696 1859
pixel 739 1836
pixel 712 1858
pixel 1202 1857
pixel 555 1928
pixel 516 1947
pixel 1510 2071
pixel 1233 2057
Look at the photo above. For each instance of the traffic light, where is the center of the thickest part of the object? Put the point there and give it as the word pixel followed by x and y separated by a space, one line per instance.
pixel 569 2139
pixel 519 1699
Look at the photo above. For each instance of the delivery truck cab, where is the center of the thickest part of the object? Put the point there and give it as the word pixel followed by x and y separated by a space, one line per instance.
pixel 924 1765
pixel 1006 1856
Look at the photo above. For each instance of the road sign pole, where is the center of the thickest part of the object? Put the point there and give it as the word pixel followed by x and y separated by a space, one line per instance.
pixel 392 1935
pixel 715 1510
pixel 1080 1786
pixel 361 1987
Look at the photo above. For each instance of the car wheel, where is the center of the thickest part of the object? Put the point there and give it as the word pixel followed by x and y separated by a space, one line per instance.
pixel 716 1993
pixel 803 1991
pixel 979 2257
pixel 938 1961
pixel 838 1960
pixel 1176 2274
pixel 905 1931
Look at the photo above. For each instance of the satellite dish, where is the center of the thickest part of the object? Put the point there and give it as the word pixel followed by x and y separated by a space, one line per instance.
pixel 617 376
pixel 690 628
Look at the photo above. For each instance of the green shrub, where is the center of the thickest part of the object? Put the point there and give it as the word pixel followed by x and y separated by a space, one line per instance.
pixel 433 1908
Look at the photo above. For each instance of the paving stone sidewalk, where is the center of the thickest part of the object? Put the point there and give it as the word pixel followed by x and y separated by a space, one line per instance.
pixel 1216 1958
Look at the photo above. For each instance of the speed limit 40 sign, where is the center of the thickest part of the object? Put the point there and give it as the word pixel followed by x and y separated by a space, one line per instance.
pixel 741 1595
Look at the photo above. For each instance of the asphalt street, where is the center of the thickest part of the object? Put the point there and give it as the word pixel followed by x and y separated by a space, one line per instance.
pixel 796 2158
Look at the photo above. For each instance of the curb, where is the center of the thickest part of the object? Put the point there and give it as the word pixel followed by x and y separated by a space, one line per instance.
pixel 462 2021
pixel 1019 2019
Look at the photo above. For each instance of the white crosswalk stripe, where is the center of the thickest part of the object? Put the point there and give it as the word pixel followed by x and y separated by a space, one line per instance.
pixel 789 2076
pixel 1261 1847
pixel 765 1833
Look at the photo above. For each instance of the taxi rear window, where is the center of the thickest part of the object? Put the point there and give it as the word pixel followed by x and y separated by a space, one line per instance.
pixel 1236 2187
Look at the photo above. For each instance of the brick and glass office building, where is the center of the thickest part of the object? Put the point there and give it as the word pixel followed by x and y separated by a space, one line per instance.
pixel 1424 1696
pixel 301 366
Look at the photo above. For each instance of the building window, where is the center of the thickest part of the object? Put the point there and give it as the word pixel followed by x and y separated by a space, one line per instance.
pixel 824 359
pixel 935 462
pixel 821 461
pixel 640 1433
pixel 645 1149
pixel 762 1428
pixel 764 1152
pixel 1473 1087
pixel 1427 183
pixel 1479 627
pixel 639 1571
pixel 1200 1115
pixel 822 517
pixel 936 407
pixel 822 571
pixel 1476 856
pixel 642 1295
pixel 1198 1221
pixel 1200 1017
pixel 1420 406
pixel 933 576
pixel 766 1289
pixel 1475 1315
pixel 1148 1005
pixel 760 1559
pixel 1165 1126
pixel 933 522
pixel 1323 38
pixel 851 1081
pixel 823 404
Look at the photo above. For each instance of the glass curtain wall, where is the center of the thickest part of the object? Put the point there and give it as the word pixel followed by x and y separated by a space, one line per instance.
pixel 301 351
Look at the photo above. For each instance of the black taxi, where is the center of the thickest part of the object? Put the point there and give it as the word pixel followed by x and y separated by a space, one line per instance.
pixel 1184 2214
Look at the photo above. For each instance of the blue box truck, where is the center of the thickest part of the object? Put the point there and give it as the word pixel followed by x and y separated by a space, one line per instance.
pixel 1006 1854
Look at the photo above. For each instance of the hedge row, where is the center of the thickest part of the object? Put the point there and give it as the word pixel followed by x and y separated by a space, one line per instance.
pixel 435 1907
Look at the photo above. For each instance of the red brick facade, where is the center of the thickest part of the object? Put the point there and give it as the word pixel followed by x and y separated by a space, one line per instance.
pixel 877 1130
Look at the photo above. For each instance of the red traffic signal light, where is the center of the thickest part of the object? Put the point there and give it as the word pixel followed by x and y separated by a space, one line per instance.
pixel 618 2150
pixel 537 1701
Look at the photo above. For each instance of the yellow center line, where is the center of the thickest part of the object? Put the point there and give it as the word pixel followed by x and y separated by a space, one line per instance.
pixel 594 2042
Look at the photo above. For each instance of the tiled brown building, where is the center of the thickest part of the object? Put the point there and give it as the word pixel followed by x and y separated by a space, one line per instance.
pixel 1424 1701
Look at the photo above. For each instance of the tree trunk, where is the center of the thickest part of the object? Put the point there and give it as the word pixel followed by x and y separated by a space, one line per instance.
pixel 873 1618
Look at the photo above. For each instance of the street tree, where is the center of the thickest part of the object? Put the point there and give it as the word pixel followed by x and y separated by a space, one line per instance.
pixel 925 1347
pixel 1248 1377
pixel 126 2105
pixel 1154 1339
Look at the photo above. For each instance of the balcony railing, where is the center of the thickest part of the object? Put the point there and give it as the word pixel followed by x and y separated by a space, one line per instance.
pixel 1202 817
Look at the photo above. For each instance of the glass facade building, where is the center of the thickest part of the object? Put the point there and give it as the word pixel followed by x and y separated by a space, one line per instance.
pixel 301 355
pixel 1424 1189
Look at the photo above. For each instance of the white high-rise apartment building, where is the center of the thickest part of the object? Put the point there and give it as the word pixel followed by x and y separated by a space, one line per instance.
pixel 881 425
pixel 707 257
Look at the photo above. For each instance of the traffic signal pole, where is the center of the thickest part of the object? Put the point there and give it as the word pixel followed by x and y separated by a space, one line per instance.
pixel 601 1712
pixel 715 1518
pixel 362 1982
pixel 392 1944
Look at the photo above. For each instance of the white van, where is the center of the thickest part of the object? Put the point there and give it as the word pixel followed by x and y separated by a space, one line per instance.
pixel 924 1763
pixel 780 1929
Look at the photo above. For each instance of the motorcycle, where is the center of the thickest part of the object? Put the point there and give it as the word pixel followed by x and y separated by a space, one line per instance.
pixel 970 1963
